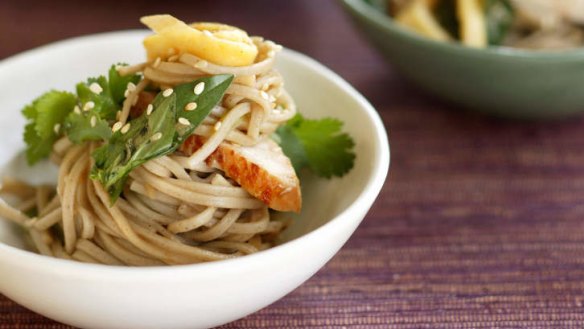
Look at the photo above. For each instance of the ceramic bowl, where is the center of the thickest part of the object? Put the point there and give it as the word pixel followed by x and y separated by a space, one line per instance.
pixel 499 81
pixel 189 296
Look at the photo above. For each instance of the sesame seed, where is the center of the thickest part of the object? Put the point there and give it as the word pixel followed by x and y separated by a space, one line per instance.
pixel 217 125
pixel 173 58
pixel 199 88
pixel 117 126
pixel 93 121
pixel 156 137
pixel 88 106
pixel 149 109
pixel 131 86
pixel 277 47
pixel 271 53
pixel 126 128
pixel 265 87
pixel 264 95
pixel 77 110
pixel 126 93
pixel 57 128
pixel 184 121
pixel 201 64
pixel 191 106
pixel 156 62
pixel 167 92
pixel 207 33
pixel 95 88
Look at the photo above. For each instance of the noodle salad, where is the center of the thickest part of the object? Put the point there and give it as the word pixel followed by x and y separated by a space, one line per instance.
pixel 181 159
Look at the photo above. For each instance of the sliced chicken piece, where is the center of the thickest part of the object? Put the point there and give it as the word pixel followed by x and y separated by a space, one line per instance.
pixel 262 170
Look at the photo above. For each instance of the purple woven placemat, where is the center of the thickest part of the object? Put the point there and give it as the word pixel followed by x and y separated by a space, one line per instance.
pixel 481 224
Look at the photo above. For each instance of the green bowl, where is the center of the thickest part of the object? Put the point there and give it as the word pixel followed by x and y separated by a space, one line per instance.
pixel 499 81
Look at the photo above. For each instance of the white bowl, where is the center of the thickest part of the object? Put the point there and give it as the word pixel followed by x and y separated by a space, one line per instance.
pixel 190 296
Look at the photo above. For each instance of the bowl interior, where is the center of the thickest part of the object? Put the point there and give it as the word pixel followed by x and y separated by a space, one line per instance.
pixel 27 75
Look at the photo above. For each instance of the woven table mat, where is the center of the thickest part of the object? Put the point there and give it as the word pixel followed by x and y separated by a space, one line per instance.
pixel 480 225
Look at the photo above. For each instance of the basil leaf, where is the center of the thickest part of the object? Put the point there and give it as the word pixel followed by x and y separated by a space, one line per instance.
pixel 157 134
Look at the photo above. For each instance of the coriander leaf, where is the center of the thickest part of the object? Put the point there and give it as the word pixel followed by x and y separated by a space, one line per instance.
pixel 51 109
pixel 499 16
pixel 44 114
pixel 103 104
pixel 157 134
pixel 292 147
pixel 317 144
pixel 37 148
pixel 80 129
pixel 118 83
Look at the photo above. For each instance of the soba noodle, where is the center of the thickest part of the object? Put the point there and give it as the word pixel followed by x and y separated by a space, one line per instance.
pixel 175 209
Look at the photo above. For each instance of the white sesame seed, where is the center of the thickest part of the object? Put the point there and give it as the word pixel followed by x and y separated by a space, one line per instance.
pixel 271 53
pixel 184 121
pixel 126 93
pixel 207 33
pixel 173 58
pixel 156 62
pixel 201 64
pixel 167 92
pixel 277 47
pixel 156 137
pixel 126 128
pixel 265 87
pixel 131 86
pixel 191 106
pixel 199 88
pixel 93 121
pixel 77 110
pixel 149 109
pixel 117 126
pixel 88 106
pixel 95 88
pixel 264 95
pixel 57 128
pixel 217 125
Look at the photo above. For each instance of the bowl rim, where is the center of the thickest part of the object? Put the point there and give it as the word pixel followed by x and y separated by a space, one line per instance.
pixel 371 190
pixel 381 20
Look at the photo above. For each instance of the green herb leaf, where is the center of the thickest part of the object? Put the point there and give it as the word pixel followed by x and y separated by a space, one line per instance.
pixel 155 135
pixel 103 104
pixel 45 112
pixel 118 83
pixel 499 17
pixel 80 129
pixel 317 144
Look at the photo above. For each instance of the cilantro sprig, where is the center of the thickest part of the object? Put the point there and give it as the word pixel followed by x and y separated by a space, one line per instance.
pixel 52 114
pixel 319 145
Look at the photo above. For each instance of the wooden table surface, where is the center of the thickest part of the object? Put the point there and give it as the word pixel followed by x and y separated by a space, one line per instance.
pixel 480 224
